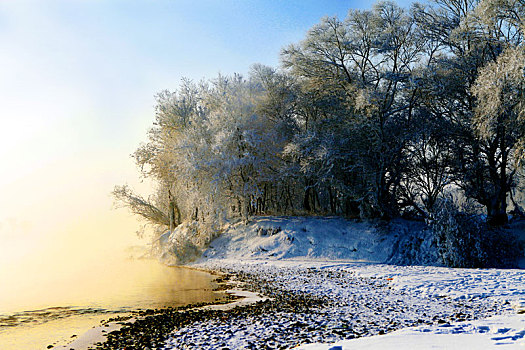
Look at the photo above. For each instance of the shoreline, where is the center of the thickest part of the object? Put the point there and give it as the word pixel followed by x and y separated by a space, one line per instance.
pixel 234 297
pixel 324 302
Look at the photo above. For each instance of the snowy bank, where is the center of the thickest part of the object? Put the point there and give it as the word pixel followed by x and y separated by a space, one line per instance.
pixel 366 302
pixel 308 237
pixel 401 242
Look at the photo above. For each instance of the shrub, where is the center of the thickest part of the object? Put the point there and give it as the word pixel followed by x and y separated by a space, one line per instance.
pixel 466 240
pixel 415 244
pixel 185 243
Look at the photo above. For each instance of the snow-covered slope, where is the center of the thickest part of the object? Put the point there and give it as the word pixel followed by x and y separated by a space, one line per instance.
pixel 399 242
pixel 303 237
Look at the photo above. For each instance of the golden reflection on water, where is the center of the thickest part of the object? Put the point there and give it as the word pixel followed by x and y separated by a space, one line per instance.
pixel 128 285
pixel 39 336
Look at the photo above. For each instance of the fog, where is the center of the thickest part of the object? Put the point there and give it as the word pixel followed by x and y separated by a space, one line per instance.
pixel 59 229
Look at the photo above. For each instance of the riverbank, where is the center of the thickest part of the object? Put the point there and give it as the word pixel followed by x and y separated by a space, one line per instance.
pixel 362 300
pixel 125 329
pixel 97 336
pixel 326 283
pixel 322 303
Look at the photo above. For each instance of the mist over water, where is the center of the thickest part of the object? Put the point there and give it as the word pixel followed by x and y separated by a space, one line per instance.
pixel 65 257
pixel 56 225
pixel 64 289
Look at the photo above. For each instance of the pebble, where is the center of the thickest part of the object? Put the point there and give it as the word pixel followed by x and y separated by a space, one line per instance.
pixel 307 305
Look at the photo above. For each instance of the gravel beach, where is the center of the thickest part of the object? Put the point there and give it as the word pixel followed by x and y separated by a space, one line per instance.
pixel 313 302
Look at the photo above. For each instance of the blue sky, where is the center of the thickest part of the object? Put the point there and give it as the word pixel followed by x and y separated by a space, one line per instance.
pixel 95 65
pixel 78 79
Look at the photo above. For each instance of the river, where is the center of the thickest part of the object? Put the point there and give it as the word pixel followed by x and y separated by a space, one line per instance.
pixel 33 316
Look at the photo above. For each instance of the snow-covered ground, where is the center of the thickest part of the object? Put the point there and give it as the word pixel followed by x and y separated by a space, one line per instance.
pixel 498 332
pixel 369 304
pixel 418 307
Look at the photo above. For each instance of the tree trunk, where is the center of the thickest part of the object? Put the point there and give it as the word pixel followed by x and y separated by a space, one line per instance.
pixel 497 211
pixel 171 210
pixel 306 200
pixel 497 205
pixel 331 197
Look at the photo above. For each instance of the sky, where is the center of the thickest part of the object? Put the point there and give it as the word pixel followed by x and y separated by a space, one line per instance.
pixel 77 86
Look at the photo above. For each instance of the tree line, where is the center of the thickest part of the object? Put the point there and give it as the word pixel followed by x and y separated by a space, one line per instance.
pixel 382 114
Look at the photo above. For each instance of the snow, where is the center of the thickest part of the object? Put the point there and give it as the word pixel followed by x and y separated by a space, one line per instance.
pixel 388 295
pixel 424 307
pixel 245 298
pixel 431 281
pixel 305 237
pixel 499 332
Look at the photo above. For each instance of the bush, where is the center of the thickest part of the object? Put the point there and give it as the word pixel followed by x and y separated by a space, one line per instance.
pixel 466 240
pixel 415 248
pixel 186 243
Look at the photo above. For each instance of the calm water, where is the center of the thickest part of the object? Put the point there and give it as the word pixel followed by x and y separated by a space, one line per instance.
pixel 37 312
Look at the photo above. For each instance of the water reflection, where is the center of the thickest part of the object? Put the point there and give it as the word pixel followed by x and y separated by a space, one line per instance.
pixel 116 288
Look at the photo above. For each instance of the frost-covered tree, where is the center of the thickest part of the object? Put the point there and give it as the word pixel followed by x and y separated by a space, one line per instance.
pixel 243 143
pixel 157 159
pixel 499 119
pixel 215 149
pixel 376 115
pixel 428 156
pixel 359 100
pixel 469 41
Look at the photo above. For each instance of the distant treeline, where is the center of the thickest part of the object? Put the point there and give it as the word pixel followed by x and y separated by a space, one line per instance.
pixel 385 113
